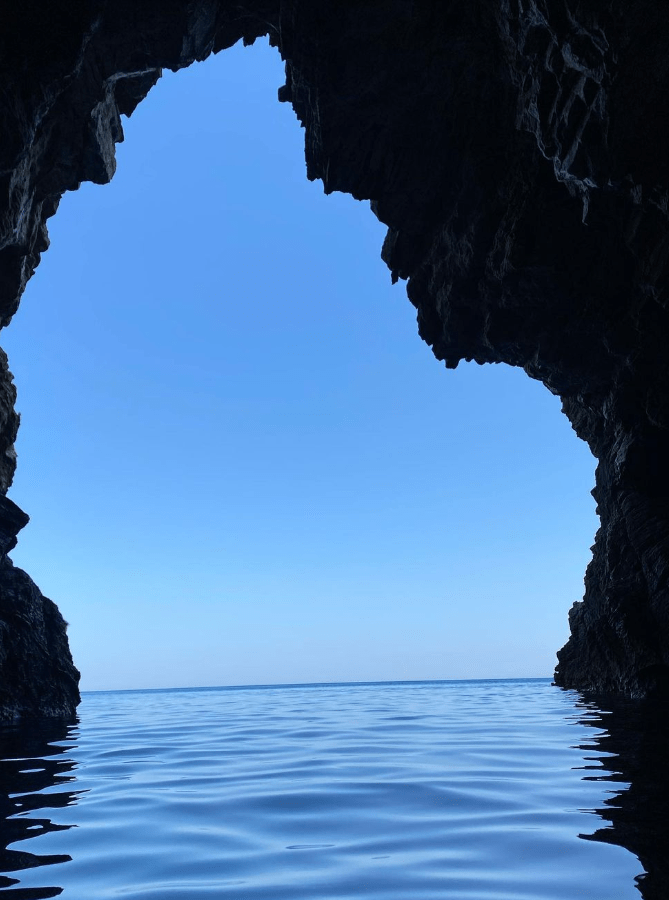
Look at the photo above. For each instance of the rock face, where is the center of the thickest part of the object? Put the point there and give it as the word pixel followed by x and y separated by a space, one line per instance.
pixel 37 677
pixel 516 149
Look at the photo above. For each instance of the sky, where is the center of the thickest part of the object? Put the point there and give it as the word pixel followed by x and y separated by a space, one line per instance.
pixel 241 463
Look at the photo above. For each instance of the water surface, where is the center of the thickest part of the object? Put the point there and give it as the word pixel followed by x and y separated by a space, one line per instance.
pixel 479 790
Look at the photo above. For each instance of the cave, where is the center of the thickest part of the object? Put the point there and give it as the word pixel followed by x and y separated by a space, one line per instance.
pixel 513 150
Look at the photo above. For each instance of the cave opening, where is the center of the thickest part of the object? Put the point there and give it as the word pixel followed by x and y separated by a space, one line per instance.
pixel 242 464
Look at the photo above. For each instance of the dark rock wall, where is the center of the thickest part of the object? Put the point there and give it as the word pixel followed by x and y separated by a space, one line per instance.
pixel 517 150
pixel 518 153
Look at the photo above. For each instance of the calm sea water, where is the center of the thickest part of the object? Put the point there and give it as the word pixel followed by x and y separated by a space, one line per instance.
pixel 487 790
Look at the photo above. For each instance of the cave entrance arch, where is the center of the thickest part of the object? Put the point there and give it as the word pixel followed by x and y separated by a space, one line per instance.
pixel 501 147
pixel 403 523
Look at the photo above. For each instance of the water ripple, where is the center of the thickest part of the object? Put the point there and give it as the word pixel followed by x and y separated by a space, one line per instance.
pixel 470 790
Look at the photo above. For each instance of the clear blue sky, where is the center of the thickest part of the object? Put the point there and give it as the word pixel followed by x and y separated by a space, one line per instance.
pixel 241 463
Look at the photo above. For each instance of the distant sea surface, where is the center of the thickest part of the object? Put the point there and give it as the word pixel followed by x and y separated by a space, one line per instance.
pixel 471 790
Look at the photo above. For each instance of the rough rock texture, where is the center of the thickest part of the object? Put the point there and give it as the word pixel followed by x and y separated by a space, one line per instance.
pixel 37 676
pixel 517 151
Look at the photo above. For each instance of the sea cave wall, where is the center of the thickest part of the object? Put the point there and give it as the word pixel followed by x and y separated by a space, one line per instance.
pixel 516 150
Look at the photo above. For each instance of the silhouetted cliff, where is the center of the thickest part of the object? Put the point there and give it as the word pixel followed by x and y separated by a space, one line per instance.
pixel 517 153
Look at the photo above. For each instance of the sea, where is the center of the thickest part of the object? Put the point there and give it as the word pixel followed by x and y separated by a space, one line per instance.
pixel 471 790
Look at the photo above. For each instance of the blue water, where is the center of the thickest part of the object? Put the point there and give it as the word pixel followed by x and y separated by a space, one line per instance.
pixel 402 791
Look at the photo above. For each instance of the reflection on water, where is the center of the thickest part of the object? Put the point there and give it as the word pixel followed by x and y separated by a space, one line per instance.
pixel 633 748
pixel 461 791
pixel 34 769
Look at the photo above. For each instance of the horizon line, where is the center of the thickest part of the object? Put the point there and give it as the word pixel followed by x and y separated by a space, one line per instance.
pixel 309 684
